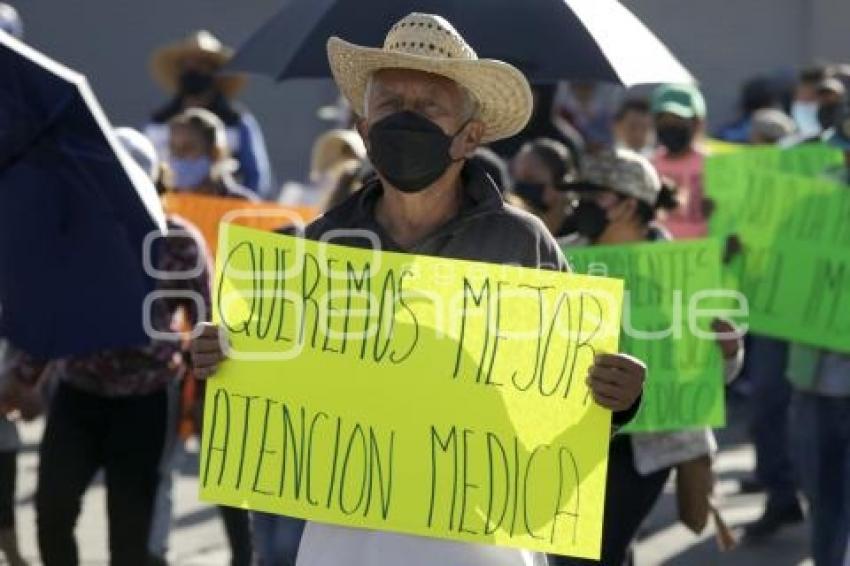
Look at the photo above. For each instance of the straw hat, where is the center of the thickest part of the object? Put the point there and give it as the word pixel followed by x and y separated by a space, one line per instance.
pixel 334 147
pixel 165 62
pixel 425 42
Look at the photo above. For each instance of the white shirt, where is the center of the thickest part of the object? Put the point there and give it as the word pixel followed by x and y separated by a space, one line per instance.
pixel 329 545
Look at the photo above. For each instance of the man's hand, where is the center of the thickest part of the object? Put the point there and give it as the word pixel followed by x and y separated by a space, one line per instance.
pixel 732 248
pixel 206 350
pixel 728 337
pixel 616 380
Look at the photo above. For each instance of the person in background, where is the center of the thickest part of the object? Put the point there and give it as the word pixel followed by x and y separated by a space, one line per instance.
pixel 199 158
pixel 619 196
pixel 189 71
pixel 10 21
pixel 770 397
pixel 542 169
pixel 831 97
pixel 10 445
pixel 333 149
pixel 633 127
pixel 236 521
pixel 589 107
pixel 104 404
pixel 496 167
pixel 679 112
pixel 820 418
pixel 335 154
pixel 757 93
pixel 804 107
pixel 143 153
pixel 771 126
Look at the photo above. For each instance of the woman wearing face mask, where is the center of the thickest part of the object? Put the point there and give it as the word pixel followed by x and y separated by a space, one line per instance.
pixel 198 156
pixel 189 71
pixel 620 194
pixel 541 169
pixel 679 112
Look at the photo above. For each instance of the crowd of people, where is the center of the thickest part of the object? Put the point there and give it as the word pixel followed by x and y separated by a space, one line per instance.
pixel 433 161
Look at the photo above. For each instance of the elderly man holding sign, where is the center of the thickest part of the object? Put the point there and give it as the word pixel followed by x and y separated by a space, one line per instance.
pixel 426 103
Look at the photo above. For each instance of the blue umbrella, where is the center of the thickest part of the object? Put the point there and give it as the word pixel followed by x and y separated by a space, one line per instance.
pixel 549 40
pixel 74 212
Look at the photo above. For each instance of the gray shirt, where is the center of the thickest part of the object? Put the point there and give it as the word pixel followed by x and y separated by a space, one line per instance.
pixel 486 229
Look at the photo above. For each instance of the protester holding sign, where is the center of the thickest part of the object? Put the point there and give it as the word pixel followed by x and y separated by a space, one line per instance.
pixel 426 102
pixel 620 193
pixel 790 219
pixel 821 428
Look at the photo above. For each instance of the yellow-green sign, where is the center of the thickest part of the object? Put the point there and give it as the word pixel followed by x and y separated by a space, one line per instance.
pixel 408 393
pixel 795 235
pixel 673 293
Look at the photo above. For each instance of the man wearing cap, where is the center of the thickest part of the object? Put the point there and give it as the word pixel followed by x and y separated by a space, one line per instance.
pixel 679 112
pixel 425 103
pixel 771 126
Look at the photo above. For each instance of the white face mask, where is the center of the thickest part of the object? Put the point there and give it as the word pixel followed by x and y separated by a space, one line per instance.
pixel 805 114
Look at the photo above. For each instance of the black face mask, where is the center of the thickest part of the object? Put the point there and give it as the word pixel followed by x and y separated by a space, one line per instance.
pixel 532 193
pixel 675 138
pixel 409 150
pixel 589 219
pixel 194 83
pixel 828 115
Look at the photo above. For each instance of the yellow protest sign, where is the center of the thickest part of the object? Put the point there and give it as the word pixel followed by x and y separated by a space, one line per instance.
pixel 408 393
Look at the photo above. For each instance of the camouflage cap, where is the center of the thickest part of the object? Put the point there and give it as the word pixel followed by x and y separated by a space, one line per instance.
pixel 622 171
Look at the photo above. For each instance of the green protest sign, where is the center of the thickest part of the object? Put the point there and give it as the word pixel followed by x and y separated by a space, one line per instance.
pixel 795 265
pixel 724 174
pixel 672 294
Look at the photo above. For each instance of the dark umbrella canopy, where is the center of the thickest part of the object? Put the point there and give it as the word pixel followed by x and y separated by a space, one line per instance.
pixel 549 40
pixel 74 212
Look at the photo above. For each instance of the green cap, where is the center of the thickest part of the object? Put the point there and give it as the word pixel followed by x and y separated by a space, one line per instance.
pixel 683 100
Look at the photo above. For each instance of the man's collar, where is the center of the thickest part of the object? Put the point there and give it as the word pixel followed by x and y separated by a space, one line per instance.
pixel 480 194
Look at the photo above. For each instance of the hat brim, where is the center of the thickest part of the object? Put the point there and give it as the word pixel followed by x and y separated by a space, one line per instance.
pixel 580 186
pixel 165 68
pixel 680 110
pixel 502 92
